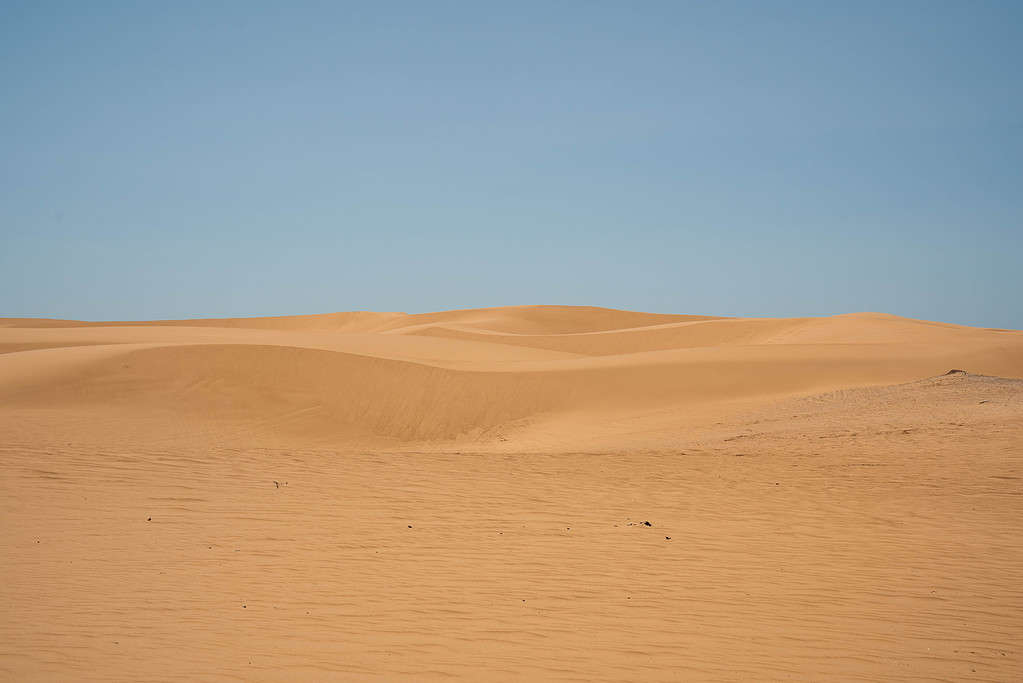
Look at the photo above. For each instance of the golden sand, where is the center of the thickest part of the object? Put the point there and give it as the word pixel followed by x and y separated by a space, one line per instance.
pixel 382 496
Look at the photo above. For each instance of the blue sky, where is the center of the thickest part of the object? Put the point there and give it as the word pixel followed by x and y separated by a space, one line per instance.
pixel 765 158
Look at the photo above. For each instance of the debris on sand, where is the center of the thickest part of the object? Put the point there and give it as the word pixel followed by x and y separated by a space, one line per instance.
pixel 956 372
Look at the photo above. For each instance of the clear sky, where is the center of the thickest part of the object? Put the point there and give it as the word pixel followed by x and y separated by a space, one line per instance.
pixel 186 159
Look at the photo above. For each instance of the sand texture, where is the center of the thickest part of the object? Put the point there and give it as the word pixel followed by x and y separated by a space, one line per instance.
pixel 466 495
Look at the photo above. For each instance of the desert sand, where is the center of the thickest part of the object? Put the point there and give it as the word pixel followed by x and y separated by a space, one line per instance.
pixel 523 493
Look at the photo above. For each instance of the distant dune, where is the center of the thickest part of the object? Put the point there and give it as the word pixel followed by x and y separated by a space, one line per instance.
pixel 522 493
pixel 485 376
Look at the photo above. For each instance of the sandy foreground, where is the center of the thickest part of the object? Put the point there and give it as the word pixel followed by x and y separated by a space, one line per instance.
pixel 466 494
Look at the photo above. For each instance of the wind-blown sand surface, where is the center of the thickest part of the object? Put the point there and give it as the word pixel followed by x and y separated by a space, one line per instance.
pixel 380 496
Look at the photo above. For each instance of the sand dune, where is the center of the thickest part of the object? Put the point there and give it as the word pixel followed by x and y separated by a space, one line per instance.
pixel 459 376
pixel 143 519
